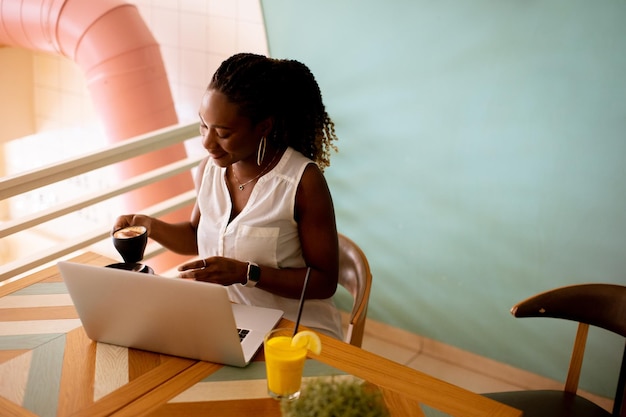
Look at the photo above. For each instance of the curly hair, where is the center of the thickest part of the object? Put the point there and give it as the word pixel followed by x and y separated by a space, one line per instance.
pixel 286 90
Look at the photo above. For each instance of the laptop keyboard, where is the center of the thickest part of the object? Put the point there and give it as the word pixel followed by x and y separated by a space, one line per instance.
pixel 242 334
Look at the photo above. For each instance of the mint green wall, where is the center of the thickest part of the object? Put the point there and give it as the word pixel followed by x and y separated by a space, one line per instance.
pixel 482 160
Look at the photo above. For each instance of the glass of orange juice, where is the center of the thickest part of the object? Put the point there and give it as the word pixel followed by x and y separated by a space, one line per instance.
pixel 284 364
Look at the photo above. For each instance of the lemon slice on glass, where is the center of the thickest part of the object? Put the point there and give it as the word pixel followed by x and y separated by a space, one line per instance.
pixel 309 340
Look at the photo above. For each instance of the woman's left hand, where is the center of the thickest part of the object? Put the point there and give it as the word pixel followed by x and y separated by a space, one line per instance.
pixel 216 269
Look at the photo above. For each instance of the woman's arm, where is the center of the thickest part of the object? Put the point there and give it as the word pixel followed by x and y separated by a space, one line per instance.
pixel 177 237
pixel 315 215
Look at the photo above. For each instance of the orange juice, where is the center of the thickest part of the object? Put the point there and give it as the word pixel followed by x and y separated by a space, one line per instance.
pixel 284 364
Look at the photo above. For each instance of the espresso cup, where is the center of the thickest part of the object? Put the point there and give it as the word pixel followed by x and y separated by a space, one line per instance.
pixel 131 242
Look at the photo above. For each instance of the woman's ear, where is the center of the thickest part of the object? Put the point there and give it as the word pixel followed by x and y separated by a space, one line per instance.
pixel 264 127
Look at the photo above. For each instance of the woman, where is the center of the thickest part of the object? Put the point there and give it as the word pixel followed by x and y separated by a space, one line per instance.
pixel 264 213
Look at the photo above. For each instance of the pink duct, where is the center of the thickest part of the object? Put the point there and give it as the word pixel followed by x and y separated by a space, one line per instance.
pixel 123 68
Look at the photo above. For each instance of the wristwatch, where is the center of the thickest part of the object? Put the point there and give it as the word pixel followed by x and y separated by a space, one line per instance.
pixel 253 275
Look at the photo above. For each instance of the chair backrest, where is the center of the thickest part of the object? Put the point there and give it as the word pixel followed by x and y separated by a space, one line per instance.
pixel 356 277
pixel 601 305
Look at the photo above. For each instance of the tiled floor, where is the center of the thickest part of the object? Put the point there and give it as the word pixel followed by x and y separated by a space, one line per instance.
pixel 465 369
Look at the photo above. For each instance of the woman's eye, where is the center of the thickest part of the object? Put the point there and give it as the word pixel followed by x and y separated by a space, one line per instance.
pixel 220 133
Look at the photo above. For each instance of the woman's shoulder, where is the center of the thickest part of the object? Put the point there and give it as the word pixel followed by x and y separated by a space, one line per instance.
pixel 292 164
pixel 294 157
pixel 307 171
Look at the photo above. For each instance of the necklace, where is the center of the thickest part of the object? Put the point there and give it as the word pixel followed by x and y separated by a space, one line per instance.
pixel 242 186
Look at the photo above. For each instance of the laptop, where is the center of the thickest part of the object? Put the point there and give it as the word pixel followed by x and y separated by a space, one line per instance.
pixel 166 315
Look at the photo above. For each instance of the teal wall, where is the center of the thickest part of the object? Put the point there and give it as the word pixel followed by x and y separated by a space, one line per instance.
pixel 482 160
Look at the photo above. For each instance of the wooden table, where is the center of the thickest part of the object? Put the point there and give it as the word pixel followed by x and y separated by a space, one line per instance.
pixel 48 367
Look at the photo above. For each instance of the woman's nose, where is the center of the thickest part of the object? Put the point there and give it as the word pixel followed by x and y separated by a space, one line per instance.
pixel 208 140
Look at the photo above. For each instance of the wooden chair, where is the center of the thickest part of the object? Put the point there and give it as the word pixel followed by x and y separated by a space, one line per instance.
pixel 356 277
pixel 601 305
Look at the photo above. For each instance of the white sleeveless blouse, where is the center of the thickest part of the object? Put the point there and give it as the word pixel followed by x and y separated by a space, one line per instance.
pixel 265 232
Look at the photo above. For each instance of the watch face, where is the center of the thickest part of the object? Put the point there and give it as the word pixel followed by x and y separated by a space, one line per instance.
pixel 255 273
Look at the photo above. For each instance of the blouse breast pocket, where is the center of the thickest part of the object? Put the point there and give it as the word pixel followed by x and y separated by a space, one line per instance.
pixel 257 244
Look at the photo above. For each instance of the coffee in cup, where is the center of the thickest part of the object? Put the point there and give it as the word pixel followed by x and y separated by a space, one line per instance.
pixel 128 232
pixel 131 243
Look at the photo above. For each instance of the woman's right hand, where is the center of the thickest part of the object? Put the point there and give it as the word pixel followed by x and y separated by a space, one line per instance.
pixel 133 220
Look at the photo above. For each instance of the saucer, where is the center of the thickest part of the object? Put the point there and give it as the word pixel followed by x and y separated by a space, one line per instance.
pixel 132 267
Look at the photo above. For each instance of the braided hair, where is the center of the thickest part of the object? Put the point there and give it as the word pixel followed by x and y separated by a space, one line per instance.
pixel 286 90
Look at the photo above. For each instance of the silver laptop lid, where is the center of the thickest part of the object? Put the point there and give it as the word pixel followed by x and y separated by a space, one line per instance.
pixel 165 315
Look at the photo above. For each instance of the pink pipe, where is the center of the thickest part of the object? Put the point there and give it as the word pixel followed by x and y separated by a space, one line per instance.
pixel 125 76
pixel 123 68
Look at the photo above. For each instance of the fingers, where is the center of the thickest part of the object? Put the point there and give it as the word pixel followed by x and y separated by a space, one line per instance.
pixel 194 270
pixel 215 269
pixel 132 220
pixel 123 221
pixel 120 223
pixel 197 264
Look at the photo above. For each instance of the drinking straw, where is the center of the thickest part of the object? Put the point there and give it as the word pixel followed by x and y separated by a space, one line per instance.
pixel 306 279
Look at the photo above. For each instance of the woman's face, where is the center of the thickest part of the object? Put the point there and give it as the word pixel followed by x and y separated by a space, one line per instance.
pixel 226 135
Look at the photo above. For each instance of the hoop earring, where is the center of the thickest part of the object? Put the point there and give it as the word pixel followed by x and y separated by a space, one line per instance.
pixel 261 152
